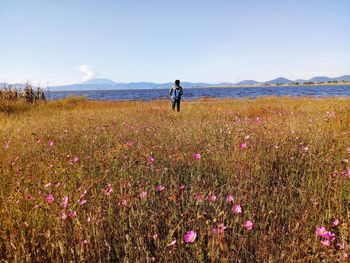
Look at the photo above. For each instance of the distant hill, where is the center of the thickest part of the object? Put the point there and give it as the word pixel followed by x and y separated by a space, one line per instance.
pixel 99 82
pixel 320 79
pixel 279 81
pixel 342 78
pixel 247 82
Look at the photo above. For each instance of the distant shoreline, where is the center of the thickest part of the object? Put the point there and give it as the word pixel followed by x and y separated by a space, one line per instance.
pixel 277 86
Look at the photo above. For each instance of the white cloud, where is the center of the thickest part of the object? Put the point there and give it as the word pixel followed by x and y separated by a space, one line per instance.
pixel 88 71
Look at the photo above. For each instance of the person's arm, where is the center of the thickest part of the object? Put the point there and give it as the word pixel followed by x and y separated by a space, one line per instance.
pixel 171 92
pixel 181 92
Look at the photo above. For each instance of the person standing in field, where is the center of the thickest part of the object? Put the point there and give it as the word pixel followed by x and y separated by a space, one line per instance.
pixel 175 94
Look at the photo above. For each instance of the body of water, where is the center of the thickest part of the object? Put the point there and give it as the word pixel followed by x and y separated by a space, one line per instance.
pixel 195 93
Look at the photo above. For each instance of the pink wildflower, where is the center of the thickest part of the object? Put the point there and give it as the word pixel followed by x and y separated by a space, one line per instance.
pixel 243 145
pixel 150 159
pixel 50 198
pixel 143 195
pixel 50 143
pixel 47 185
pixel 83 201
pixel 72 213
pixel 229 198
pixel 197 156
pixel 123 202
pixel 182 187
pixel 58 184
pixel 65 202
pixel 248 225
pixel 198 197
pixel 236 209
pixel 211 198
pixel 172 243
pixel 305 149
pixel 348 150
pixel 108 190
pixel 64 216
pixel 28 197
pixel 75 159
pixel 129 144
pixel 320 231
pixel 257 120
pixel 190 237
pixel 7 145
pixel 160 188
pixel 325 242
pixel 220 229
pixel 335 223
pixel 155 236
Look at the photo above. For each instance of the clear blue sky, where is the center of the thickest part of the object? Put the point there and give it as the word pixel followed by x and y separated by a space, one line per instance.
pixel 64 41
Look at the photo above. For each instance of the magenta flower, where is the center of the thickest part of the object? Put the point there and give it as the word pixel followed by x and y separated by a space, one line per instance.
pixel 50 198
pixel 229 198
pixel 75 159
pixel 64 216
pixel 236 209
pixel 197 156
pixel 320 231
pixel 323 232
pixel 182 187
pixel 50 143
pixel 150 159
pixel 329 235
pixel 143 195
pixel 221 228
pixel 155 236
pixel 83 201
pixel 325 242
pixel 198 197
pixel 243 145
pixel 172 243
pixel 123 202
pixel 160 188
pixel 7 145
pixel 65 202
pixel 211 198
pixel 108 190
pixel 190 237
pixel 248 225
pixel 335 223
pixel 72 214
pixel 28 197
pixel 129 144
pixel 305 149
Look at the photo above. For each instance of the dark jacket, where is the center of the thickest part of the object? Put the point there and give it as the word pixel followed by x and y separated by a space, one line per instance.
pixel 175 92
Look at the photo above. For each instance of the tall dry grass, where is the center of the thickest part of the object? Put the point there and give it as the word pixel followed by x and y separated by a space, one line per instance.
pixel 79 181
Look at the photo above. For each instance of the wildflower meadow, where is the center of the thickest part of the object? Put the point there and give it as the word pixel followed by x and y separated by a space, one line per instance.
pixel 241 180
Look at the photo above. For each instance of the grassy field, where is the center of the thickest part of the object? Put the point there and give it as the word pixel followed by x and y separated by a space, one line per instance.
pixel 254 180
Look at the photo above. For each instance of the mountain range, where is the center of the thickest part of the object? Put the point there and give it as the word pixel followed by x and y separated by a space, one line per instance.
pixel 107 84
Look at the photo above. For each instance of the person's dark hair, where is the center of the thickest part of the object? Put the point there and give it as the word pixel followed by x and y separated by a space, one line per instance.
pixel 177 82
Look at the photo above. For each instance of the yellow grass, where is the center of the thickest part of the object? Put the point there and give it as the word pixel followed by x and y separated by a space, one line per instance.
pixel 290 179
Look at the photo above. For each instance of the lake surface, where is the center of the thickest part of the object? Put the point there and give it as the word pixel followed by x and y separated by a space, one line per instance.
pixel 195 93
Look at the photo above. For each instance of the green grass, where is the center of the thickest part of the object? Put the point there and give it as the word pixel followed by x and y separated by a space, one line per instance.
pixel 284 189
